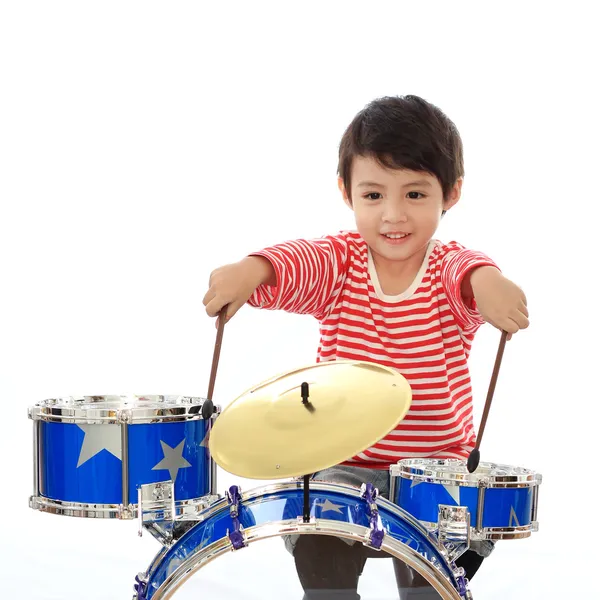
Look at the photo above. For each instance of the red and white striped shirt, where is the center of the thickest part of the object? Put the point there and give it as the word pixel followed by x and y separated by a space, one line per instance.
pixel 425 333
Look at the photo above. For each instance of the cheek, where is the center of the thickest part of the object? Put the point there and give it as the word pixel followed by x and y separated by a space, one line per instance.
pixel 428 219
pixel 367 219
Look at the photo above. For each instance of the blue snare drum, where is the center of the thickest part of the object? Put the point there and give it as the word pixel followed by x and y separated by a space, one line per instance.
pixel 238 520
pixel 502 500
pixel 92 453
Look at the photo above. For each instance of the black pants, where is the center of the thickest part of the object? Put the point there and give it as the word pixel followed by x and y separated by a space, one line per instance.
pixel 328 567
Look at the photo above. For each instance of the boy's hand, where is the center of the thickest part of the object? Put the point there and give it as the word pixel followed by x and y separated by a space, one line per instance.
pixel 234 284
pixel 500 301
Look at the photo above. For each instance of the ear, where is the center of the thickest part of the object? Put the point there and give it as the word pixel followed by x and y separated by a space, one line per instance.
pixel 454 195
pixel 342 189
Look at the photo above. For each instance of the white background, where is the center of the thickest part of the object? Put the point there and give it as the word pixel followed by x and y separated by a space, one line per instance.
pixel 143 144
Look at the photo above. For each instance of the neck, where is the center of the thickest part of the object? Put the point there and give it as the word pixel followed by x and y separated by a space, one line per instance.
pixel 399 268
pixel 395 276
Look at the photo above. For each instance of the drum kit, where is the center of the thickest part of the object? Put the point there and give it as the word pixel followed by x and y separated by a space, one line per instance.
pixel 154 459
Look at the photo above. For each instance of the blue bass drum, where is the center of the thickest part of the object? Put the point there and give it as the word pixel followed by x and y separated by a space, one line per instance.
pixel 92 453
pixel 502 500
pixel 239 520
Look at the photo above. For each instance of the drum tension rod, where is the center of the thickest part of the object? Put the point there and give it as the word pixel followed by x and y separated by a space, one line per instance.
pixel 309 406
pixel 306 511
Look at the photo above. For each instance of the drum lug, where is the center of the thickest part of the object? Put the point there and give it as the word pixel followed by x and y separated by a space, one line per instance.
pixel 369 494
pixel 454 530
pixel 140 586
pixel 483 484
pixel 237 536
pixel 156 510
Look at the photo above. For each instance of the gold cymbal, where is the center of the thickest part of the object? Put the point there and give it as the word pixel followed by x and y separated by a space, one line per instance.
pixel 268 433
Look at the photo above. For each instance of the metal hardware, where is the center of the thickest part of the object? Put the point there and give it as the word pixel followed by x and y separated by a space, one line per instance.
pixel 376 533
pixel 104 410
pixel 483 484
pixel 36 458
pixel 393 484
pixel 534 504
pixel 213 465
pixel 125 463
pixel 156 503
pixel 185 510
pixel 461 581
pixel 454 530
pixel 454 471
pixel 236 537
pixel 140 586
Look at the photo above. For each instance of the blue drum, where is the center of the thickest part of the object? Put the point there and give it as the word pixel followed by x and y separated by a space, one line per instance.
pixel 239 520
pixel 93 453
pixel 502 500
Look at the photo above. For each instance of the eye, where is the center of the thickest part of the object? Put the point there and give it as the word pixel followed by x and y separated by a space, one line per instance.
pixel 370 195
pixel 415 195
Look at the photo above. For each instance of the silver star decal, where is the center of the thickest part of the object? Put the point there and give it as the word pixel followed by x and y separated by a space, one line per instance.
pixel 327 506
pixel 98 438
pixel 204 442
pixel 512 521
pixel 454 491
pixel 173 460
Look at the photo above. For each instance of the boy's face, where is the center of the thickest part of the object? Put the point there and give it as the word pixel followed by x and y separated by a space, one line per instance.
pixel 397 211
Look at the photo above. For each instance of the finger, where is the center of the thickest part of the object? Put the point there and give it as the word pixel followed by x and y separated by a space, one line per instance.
pixel 520 319
pixel 509 337
pixel 509 325
pixel 232 308
pixel 214 306
pixel 523 308
pixel 208 296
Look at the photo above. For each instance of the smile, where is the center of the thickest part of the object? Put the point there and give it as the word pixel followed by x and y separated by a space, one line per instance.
pixel 395 238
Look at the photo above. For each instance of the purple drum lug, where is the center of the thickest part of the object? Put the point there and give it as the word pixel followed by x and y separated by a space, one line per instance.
pixel 140 587
pixel 236 537
pixel 369 494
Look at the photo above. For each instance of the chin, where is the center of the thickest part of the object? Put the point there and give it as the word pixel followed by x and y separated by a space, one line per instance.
pixel 402 251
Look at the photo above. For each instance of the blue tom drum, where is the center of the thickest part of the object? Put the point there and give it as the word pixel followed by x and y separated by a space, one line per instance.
pixel 502 500
pixel 92 453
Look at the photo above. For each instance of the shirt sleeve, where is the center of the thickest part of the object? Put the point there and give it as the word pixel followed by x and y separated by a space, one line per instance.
pixel 309 275
pixel 456 263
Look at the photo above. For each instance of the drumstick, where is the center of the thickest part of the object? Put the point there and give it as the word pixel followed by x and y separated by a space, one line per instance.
pixel 473 461
pixel 209 410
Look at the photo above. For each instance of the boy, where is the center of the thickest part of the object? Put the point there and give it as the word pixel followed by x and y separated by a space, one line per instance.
pixel 388 293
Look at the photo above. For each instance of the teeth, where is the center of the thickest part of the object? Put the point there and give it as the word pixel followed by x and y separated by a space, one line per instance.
pixel 395 236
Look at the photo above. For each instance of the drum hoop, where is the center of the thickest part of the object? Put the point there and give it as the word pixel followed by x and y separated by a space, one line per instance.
pixel 393 547
pixel 193 506
pixel 495 533
pixel 65 410
pixel 414 470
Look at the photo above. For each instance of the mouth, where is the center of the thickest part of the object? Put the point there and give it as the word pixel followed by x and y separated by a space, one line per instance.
pixel 395 237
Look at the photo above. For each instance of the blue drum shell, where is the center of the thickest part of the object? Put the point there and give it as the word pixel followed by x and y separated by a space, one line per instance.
pixel 504 507
pixel 152 449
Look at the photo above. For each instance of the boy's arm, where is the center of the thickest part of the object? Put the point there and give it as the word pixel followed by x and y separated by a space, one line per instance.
pixel 501 302
pixel 457 265
pixel 308 275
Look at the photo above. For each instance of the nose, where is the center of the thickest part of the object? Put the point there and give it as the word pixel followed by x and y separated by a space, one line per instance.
pixel 394 212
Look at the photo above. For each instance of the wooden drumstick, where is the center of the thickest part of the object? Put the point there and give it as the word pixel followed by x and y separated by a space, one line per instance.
pixel 473 461
pixel 208 406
